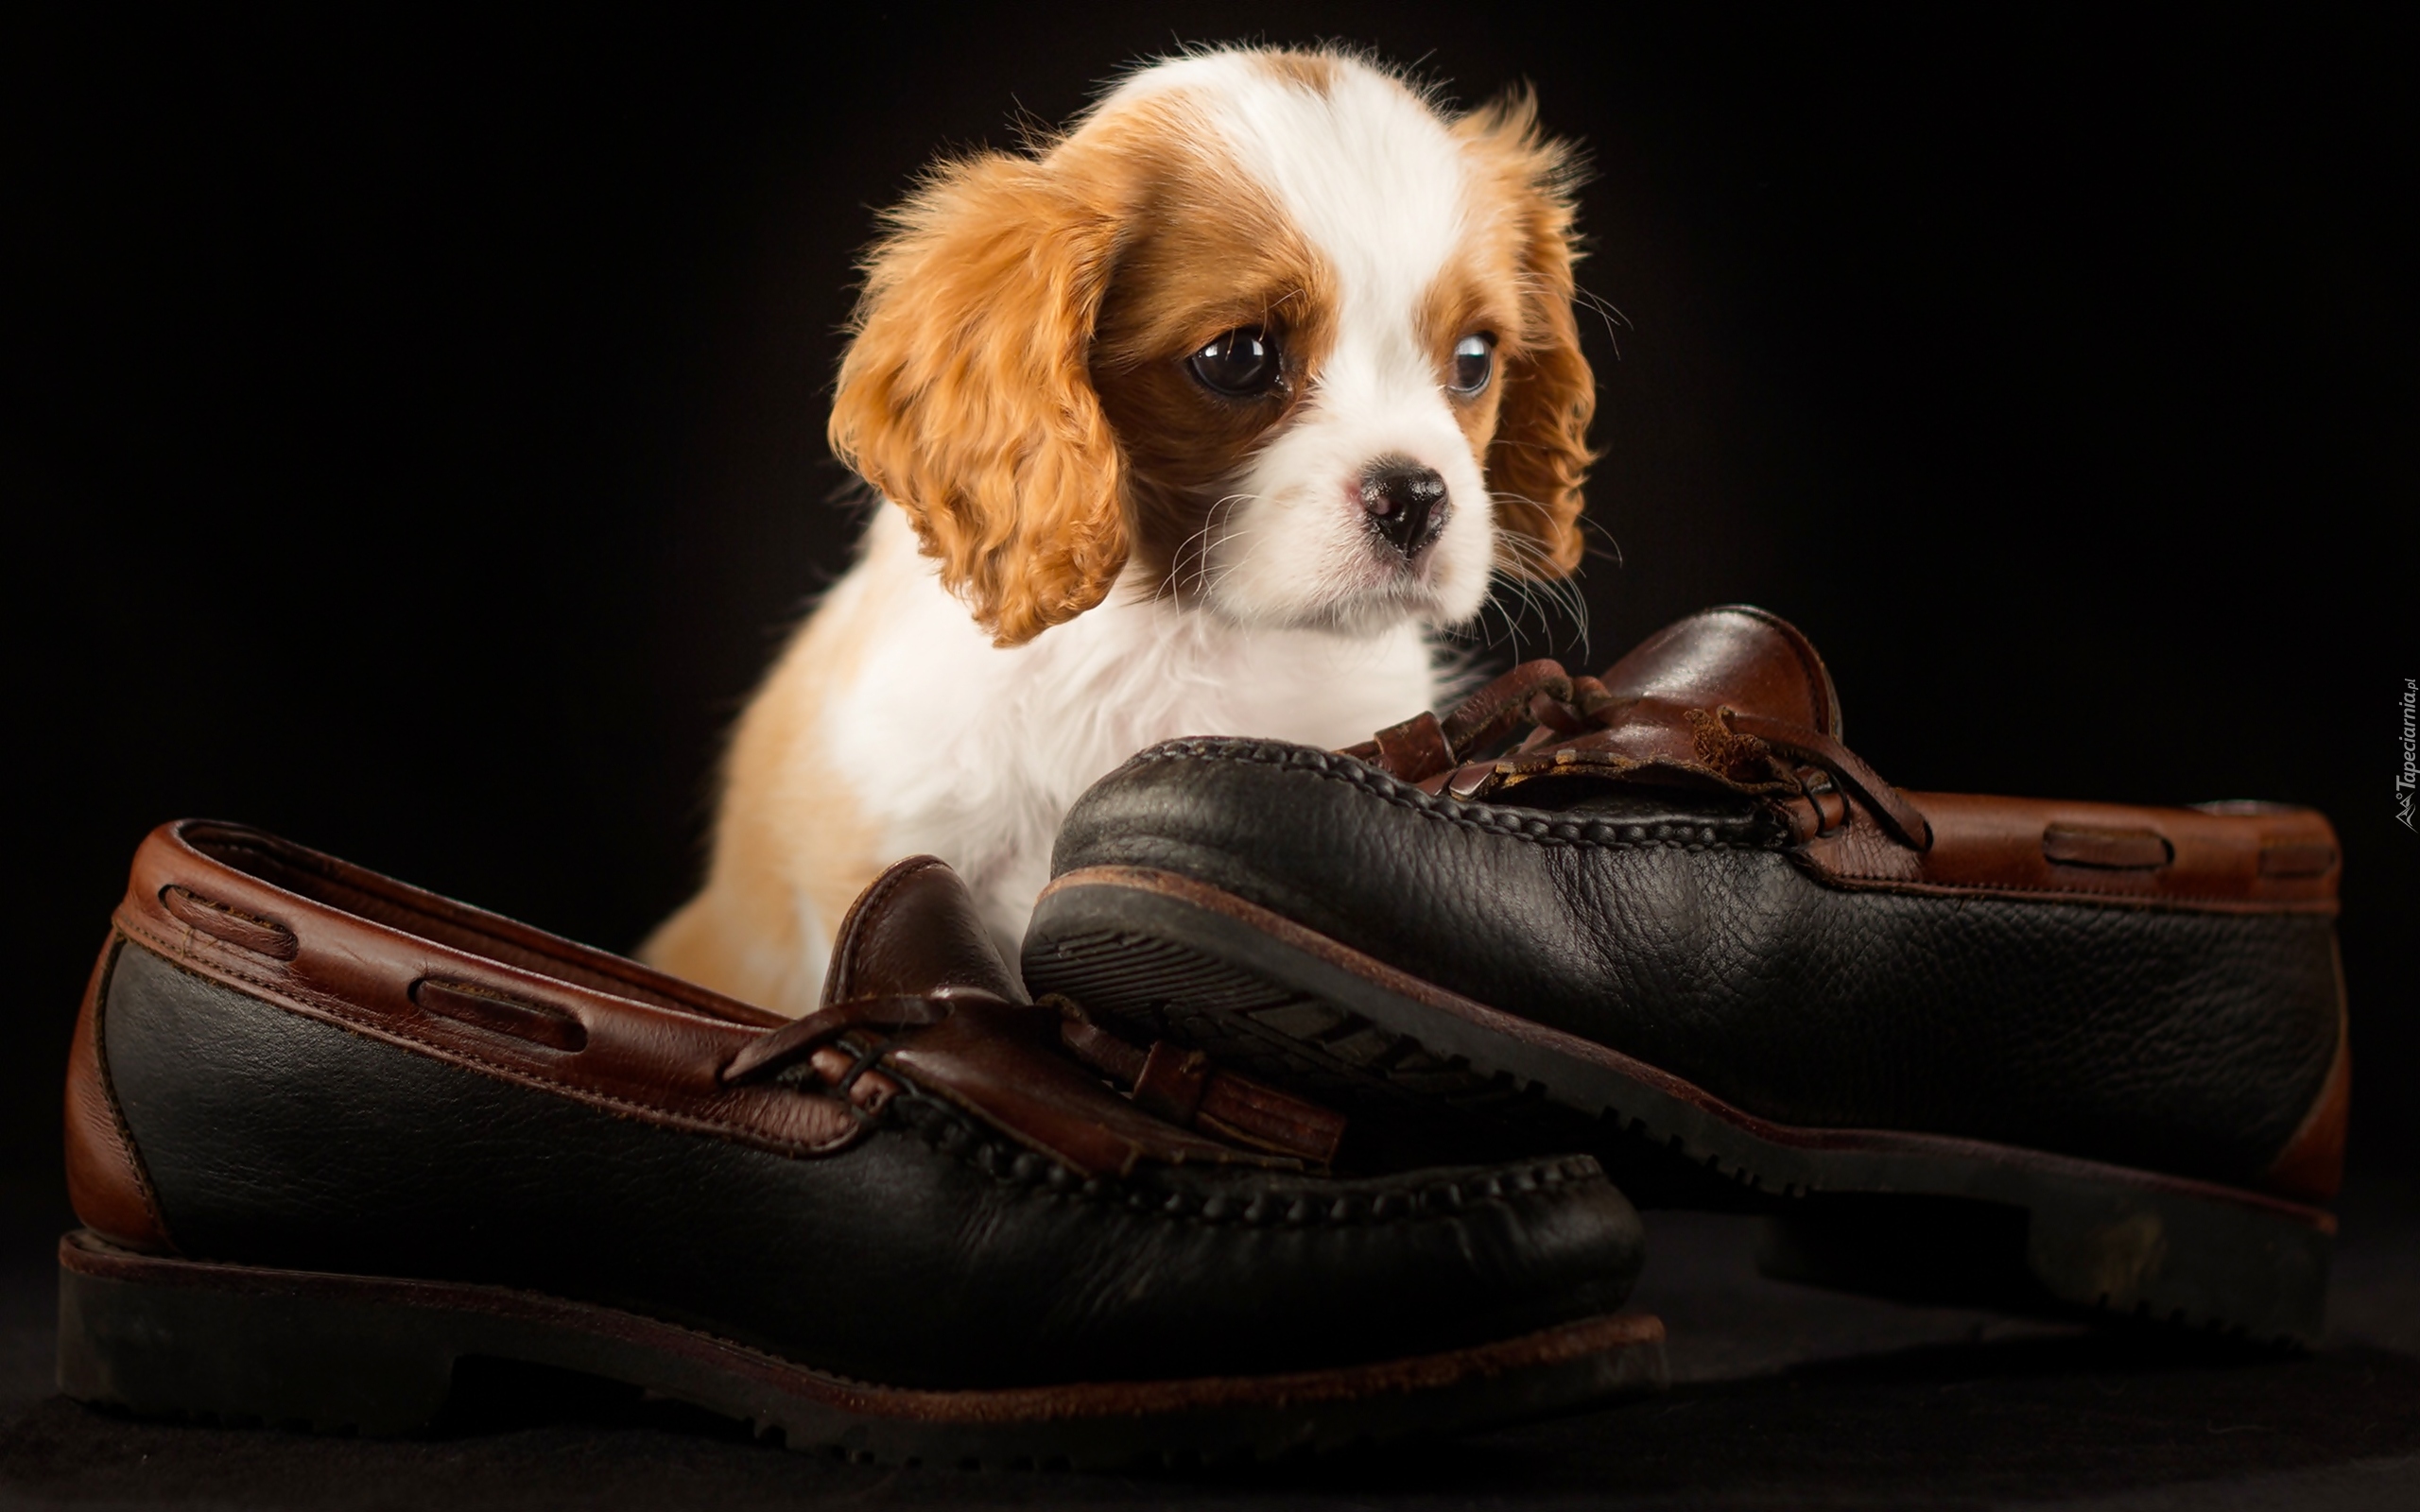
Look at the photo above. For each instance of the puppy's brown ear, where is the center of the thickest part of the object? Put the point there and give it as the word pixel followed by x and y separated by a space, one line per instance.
pixel 965 399
pixel 1539 459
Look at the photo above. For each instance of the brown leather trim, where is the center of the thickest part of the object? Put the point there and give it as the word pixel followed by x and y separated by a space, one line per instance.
pixel 2297 858
pixel 1614 1334
pixel 2311 1166
pixel 2216 859
pixel 324 882
pixel 1003 1063
pixel 1720 700
pixel 1504 704
pixel 1171 1082
pixel 2084 845
pixel 770 1052
pixel 1310 943
pixel 1238 1108
pixel 511 1002
pixel 515 1020
pixel 1234 1107
pixel 106 1182
pixel 1889 806
pixel 914 931
pixel 1734 654
pixel 1415 748
pixel 261 936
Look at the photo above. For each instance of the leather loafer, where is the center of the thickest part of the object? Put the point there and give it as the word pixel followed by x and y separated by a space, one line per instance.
pixel 2033 1054
pixel 330 1135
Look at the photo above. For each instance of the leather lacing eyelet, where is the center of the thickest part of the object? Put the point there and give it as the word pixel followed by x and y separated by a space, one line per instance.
pixel 481 1007
pixel 229 926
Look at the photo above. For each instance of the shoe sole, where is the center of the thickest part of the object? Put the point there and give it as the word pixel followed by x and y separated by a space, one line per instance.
pixel 376 1355
pixel 1914 1216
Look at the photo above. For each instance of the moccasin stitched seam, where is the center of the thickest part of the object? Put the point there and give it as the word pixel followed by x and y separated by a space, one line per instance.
pixel 1606 834
pixel 1458 1197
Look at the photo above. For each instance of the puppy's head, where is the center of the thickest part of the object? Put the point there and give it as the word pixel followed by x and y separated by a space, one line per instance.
pixel 1265 324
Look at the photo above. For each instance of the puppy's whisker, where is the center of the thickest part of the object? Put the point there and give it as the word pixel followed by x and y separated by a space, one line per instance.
pixel 1605 311
pixel 1189 563
pixel 1612 550
pixel 1535 583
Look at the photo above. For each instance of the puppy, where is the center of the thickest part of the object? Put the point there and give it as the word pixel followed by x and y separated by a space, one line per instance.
pixel 1196 419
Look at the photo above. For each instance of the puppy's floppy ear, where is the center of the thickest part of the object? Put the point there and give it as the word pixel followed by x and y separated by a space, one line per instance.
pixel 1539 459
pixel 965 397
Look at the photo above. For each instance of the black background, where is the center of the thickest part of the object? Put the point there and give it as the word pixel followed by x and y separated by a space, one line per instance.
pixel 414 438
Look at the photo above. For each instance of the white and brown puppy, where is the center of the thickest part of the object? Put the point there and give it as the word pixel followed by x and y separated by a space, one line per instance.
pixel 1196 421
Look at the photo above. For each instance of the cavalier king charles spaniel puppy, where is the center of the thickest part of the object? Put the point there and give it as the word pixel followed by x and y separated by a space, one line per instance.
pixel 1197 418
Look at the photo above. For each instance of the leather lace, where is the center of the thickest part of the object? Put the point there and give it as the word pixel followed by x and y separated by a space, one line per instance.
pixel 776 1050
pixel 1557 706
pixel 1175 1085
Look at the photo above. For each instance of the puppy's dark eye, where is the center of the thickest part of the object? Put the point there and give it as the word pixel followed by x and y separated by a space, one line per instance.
pixel 1474 361
pixel 1238 364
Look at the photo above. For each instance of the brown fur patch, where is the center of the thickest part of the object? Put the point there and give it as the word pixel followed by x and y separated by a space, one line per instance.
pixel 1476 294
pixel 964 397
pixel 1539 456
pixel 1209 253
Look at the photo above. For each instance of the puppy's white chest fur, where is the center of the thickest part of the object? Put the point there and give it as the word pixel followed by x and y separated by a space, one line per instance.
pixel 951 745
pixel 893 725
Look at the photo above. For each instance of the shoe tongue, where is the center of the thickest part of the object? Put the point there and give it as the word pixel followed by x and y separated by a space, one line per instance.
pixel 1739 656
pixel 915 931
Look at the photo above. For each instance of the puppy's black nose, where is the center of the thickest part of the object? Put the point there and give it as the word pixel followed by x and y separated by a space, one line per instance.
pixel 1405 502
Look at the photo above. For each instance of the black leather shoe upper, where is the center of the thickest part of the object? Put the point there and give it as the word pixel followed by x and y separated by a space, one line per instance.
pixel 940 1244
pixel 1689 921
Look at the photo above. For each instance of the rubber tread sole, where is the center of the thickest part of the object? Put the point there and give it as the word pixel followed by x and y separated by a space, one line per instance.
pixel 377 1355
pixel 1916 1216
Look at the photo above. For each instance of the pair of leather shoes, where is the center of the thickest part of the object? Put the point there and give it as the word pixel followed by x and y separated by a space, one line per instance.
pixel 331 1136
pixel 2063 1057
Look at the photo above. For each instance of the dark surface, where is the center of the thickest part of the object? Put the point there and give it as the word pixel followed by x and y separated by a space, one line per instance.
pixel 1784 1397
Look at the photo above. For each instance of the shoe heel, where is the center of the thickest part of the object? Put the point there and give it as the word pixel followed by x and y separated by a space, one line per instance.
pixel 173 1338
pixel 2240 1266
pixel 2188 1260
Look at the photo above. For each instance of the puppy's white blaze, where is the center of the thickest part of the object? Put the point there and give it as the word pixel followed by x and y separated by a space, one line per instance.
pixel 1364 167
pixel 1379 186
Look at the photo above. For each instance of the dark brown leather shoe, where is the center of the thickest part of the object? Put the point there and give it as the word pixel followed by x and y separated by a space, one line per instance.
pixel 1996 1049
pixel 330 1135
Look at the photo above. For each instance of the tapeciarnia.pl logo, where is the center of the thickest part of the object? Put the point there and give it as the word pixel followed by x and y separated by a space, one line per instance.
pixel 2406 779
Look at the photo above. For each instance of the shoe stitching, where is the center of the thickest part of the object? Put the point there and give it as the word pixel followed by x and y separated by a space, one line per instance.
pixel 1693 837
pixel 1723 834
pixel 1012 1165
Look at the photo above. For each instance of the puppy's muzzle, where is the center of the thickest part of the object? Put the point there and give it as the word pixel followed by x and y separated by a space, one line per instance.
pixel 1406 503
